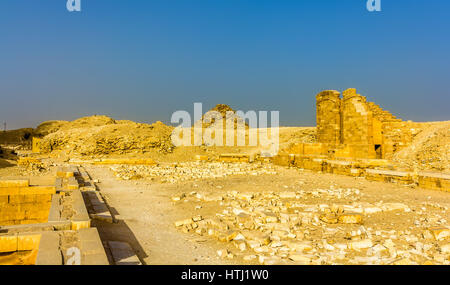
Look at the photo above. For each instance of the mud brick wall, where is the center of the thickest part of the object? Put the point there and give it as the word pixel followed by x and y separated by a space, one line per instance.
pixel 328 116
pixel 24 209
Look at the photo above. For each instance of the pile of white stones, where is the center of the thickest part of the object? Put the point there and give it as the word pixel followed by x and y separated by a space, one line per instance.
pixel 280 228
pixel 178 172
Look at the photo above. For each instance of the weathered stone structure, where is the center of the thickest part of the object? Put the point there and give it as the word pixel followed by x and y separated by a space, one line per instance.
pixel 352 127
pixel 39 224
pixel 358 138
pixel 329 117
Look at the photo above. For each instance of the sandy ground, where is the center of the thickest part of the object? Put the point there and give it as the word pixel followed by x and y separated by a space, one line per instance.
pixel 147 213
pixel 146 221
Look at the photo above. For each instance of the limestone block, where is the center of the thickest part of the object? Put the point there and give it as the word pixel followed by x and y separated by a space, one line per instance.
pixel 350 218
pixel 300 258
pixel 445 248
pixel 179 197
pixel 8 243
pixel 403 261
pixel 4 199
pixel 360 244
pixel 77 225
pixel 329 219
pixel 49 252
pixel 64 172
pixel 14 183
pixel 183 222
pixel 72 183
pixel 28 241
pixel 440 233
pixel 37 190
pixel 328 114
pixel 250 257
pixel 299 246
pixel 199 157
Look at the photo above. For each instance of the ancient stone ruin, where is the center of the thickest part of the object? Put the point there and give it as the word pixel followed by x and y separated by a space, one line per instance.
pixel 352 127
pixel 113 192
pixel 359 138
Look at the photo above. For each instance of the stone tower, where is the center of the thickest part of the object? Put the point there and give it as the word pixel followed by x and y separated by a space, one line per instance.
pixel 328 116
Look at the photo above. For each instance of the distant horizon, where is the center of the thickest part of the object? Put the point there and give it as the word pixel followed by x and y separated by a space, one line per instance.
pixel 144 60
pixel 168 122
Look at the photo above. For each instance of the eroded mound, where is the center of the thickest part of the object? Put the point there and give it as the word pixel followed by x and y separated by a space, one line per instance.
pixel 101 135
pixel 20 137
pixel 228 117
pixel 49 127
pixel 430 149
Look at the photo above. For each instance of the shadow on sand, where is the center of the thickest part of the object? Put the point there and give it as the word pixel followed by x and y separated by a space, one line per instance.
pixel 119 231
pixel 5 163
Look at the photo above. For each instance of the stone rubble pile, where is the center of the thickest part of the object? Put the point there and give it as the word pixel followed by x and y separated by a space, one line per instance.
pixel 187 171
pixel 281 228
pixel 101 135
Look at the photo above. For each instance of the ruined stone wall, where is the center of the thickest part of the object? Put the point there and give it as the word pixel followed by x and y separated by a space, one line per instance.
pixel 35 145
pixel 380 114
pixel 356 128
pixel 357 120
pixel 24 209
pixel 328 117
pixel 21 203
pixel 398 135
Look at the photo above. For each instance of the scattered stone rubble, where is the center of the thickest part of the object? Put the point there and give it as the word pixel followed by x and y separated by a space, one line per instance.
pixel 283 228
pixel 34 167
pixel 179 172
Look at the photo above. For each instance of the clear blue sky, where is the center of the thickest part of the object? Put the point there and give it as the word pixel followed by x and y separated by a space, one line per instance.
pixel 143 60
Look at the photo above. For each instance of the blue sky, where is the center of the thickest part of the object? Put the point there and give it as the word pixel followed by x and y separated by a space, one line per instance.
pixel 143 60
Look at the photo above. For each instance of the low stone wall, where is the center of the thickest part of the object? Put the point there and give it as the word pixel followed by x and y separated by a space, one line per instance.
pixel 236 158
pixel 24 209
pixel 21 203
pixel 46 247
pixel 437 181
pixel 19 242
pixel 368 168
pixel 39 224
pixel 399 177
pixel 109 161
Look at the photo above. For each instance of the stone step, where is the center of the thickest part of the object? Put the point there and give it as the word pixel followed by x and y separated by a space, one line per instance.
pixel 86 183
pixel 72 183
pixel 123 254
pixel 92 250
pixel 98 208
